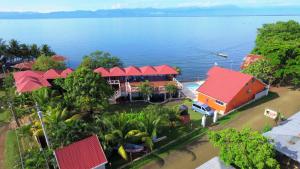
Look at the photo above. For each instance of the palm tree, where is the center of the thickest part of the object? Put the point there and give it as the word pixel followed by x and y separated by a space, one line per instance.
pixel 13 49
pixel 146 89
pixel 46 50
pixel 24 51
pixel 34 51
pixel 171 89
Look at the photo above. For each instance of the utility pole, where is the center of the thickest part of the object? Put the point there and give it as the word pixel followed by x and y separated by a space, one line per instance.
pixel 39 112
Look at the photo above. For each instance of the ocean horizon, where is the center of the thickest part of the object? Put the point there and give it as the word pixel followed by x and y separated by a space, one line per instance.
pixel 191 43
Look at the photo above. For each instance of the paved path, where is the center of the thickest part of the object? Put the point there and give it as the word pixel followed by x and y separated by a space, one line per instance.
pixel 195 154
pixel 3 130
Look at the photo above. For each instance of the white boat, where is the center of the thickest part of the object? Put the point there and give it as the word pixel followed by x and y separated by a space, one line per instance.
pixel 222 55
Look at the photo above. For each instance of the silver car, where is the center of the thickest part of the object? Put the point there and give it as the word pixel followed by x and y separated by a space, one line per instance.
pixel 203 108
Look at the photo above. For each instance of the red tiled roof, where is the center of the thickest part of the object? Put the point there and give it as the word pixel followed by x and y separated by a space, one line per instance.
pixel 249 59
pixel 66 72
pixel 133 71
pixel 148 70
pixel 223 84
pixel 103 71
pixel 165 70
pixel 52 74
pixel 27 81
pixel 117 71
pixel 58 58
pixel 84 154
pixel 24 65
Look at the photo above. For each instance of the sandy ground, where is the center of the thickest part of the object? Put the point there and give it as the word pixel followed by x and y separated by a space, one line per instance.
pixel 198 152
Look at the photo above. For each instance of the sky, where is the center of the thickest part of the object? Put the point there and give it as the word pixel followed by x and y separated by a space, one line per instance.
pixel 70 5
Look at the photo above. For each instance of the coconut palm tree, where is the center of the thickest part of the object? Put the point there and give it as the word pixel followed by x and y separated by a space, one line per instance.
pixel 46 50
pixel 146 89
pixel 171 89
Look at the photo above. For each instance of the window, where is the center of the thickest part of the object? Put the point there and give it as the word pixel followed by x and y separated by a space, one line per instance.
pixel 195 105
pixel 219 102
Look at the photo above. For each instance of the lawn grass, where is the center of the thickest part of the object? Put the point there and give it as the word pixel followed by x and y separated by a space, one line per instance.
pixel 4 116
pixel 11 152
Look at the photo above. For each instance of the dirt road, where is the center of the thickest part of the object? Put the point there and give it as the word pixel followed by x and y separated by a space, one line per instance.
pixel 195 154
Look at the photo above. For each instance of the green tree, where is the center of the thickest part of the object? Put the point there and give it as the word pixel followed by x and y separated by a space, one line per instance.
pixel 245 149
pixel 44 63
pixel 262 70
pixel 279 44
pixel 46 50
pixel 171 89
pixel 86 90
pixel 146 89
pixel 100 59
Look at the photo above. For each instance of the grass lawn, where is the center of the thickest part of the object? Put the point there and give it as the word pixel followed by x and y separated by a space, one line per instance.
pixel 11 152
pixel 4 116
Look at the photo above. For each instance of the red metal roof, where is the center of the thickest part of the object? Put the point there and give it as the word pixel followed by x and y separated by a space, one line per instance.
pixel 84 154
pixel 52 74
pixel 249 59
pixel 27 81
pixel 58 58
pixel 148 70
pixel 102 71
pixel 66 72
pixel 165 70
pixel 117 71
pixel 133 71
pixel 24 65
pixel 223 84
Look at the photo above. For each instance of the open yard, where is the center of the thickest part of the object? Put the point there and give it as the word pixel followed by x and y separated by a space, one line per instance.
pixel 200 151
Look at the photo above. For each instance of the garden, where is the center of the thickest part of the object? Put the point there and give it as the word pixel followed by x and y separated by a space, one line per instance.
pixel 77 107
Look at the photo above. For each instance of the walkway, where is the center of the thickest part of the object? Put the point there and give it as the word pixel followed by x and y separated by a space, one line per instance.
pixel 196 153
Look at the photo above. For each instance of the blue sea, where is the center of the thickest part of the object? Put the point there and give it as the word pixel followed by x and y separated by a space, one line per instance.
pixel 187 42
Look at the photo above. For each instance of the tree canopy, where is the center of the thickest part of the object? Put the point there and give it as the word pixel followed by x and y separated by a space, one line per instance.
pixel 44 63
pixel 86 90
pixel 100 59
pixel 244 149
pixel 279 43
pixel 15 51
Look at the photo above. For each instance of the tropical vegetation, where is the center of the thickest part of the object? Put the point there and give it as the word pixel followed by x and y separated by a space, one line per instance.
pixel 244 149
pixel 100 59
pixel 13 51
pixel 44 63
pixel 279 44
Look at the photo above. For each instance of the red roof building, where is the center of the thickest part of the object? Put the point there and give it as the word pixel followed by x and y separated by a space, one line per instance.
pixel 28 81
pixel 58 58
pixel 117 71
pixel 148 70
pixel 52 74
pixel 102 71
pixel 24 65
pixel 249 59
pixel 135 71
pixel 84 154
pixel 66 72
pixel 165 70
pixel 225 89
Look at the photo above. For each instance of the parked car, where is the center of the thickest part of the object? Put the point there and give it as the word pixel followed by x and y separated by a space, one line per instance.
pixel 203 108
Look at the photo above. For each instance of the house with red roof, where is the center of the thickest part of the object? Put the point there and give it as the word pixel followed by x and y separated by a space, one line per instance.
pixel 225 89
pixel 249 59
pixel 83 154
pixel 28 81
pixel 126 81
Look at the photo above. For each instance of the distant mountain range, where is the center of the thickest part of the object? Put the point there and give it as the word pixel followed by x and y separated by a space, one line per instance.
pixel 153 12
